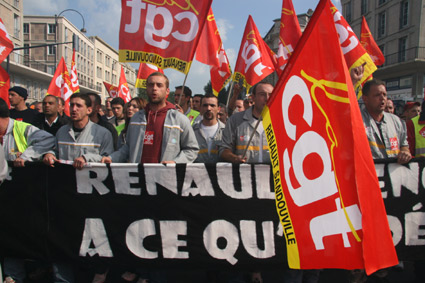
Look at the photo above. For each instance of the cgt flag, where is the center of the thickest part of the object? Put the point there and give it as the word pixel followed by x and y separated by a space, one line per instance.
pixel 290 33
pixel 75 86
pixel 61 85
pixel 111 89
pixel 123 90
pixel 4 85
pixel 144 71
pixel 370 45
pixel 161 33
pixel 210 51
pixel 254 61
pixel 354 53
pixel 6 44
pixel 327 193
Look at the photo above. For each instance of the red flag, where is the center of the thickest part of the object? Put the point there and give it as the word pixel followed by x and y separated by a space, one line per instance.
pixel 327 192
pixel 6 44
pixel 75 86
pixel 111 89
pixel 60 85
pixel 163 34
pixel 144 71
pixel 254 62
pixel 354 53
pixel 290 33
pixel 123 90
pixel 4 85
pixel 210 51
pixel 370 45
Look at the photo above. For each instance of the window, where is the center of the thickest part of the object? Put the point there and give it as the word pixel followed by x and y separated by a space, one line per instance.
pixel 51 69
pixel 99 56
pixel 404 13
pixel 381 24
pixel 402 49
pixel 348 11
pixel 51 28
pixel 26 50
pixel 51 50
pixel 106 76
pixel 26 28
pixel 382 2
pixel 364 7
pixel 107 61
pixel 17 27
pixel 99 72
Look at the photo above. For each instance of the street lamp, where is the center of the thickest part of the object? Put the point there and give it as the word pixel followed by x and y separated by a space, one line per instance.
pixel 83 30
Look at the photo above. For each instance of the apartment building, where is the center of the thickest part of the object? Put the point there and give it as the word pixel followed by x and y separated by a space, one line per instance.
pixel 398 27
pixel 33 68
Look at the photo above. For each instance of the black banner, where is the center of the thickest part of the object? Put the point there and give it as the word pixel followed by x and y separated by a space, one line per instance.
pixel 185 216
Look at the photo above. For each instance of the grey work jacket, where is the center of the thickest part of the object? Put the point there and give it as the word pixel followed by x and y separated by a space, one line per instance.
pixel 178 139
pixel 205 155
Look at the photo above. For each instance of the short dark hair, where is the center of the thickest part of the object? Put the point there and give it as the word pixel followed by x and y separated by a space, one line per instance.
pixel 4 109
pixel 199 95
pixel 167 81
pixel 254 88
pixel 209 96
pixel 55 97
pixel 82 96
pixel 118 100
pixel 187 91
pixel 97 99
pixel 61 100
pixel 366 87
pixel 223 106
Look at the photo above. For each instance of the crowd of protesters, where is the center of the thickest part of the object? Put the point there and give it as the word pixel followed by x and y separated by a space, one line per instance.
pixel 192 129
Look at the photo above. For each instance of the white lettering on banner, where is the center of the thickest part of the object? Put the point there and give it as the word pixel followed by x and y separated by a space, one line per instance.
pixel 74 77
pixel 85 183
pixel 309 192
pixel 249 239
pixel 413 222
pixel 343 34
pixel 123 180
pixel 170 231
pixel 309 142
pixel 126 92
pixel 227 231
pixel 296 87
pixel 198 175
pixel 136 10
pixel 396 229
pixel 335 223
pixel 136 233
pixel 403 176
pixel 194 26
pixel 255 55
pixel 284 52
pixel 227 185
pixel 262 182
pixel 151 32
pixel 65 91
pixel 160 174
pixel 94 232
pixel 379 168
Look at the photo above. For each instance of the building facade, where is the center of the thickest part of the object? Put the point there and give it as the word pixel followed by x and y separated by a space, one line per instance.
pixel 33 68
pixel 398 27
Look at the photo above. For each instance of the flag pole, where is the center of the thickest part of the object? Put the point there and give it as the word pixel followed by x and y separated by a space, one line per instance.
pixel 251 136
pixel 184 83
pixel 230 92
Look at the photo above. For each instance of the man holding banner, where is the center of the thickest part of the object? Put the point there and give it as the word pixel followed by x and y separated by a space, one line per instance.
pixel 241 126
pixel 386 132
pixel 158 133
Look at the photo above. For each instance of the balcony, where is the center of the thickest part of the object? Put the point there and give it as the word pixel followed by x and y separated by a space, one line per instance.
pixel 408 55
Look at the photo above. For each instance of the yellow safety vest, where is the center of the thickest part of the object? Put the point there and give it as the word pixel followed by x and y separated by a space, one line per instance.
pixel 419 139
pixel 119 128
pixel 19 135
pixel 192 115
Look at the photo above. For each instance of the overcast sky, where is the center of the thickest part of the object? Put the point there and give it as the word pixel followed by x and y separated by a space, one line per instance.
pixel 102 18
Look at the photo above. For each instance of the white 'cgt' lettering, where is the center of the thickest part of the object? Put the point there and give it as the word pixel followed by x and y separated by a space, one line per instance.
pixel 255 55
pixel 168 23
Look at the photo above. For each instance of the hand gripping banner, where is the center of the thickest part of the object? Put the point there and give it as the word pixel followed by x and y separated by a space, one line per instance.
pixel 161 33
pixel 327 193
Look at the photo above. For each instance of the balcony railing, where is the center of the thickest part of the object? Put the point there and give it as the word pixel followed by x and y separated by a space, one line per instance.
pixel 405 56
